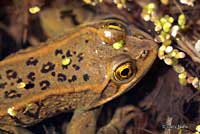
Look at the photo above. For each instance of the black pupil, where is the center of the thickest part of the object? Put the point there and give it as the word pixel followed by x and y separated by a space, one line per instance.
pixel 125 72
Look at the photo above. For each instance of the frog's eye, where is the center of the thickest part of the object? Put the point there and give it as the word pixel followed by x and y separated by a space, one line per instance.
pixel 112 32
pixel 123 71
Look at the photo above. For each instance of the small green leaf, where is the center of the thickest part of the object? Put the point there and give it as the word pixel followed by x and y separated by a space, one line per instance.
pixel 119 44
pixel 181 20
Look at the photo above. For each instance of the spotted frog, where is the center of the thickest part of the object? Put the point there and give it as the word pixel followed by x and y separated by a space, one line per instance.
pixel 81 70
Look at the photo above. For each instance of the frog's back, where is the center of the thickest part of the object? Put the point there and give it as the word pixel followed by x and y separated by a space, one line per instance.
pixel 58 74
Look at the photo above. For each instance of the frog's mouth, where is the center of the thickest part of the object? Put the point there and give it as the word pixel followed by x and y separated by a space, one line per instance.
pixel 113 90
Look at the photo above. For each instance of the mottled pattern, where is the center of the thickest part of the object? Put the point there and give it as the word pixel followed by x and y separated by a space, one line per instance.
pixel 11 74
pixel 44 84
pixel 53 73
pixel 46 72
pixel 47 67
pixel 31 76
pixel 11 94
pixel 86 77
pixel 58 52
pixel 62 77
pixel 80 57
pixel 31 62
pixel 19 80
pixel 73 78
pixel 2 85
pixel 68 53
pixel 64 67
pixel 76 67
pixel 29 85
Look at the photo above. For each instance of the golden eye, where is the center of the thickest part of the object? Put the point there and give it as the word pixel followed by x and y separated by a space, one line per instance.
pixel 123 72
pixel 122 68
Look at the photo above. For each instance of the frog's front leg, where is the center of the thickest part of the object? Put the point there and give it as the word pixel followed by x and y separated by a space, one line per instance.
pixel 121 118
pixel 84 122
pixel 5 129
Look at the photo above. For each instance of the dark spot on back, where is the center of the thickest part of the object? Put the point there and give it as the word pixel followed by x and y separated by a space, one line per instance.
pixel 11 74
pixel 80 57
pixel 61 77
pixel 86 77
pixel 31 76
pixel 76 67
pixel 31 61
pixel 2 85
pixel 74 78
pixel 11 94
pixel 44 84
pixel 0 77
pixel 47 67
pixel 53 73
pixel 68 53
pixel 86 41
pixel 58 51
pixel 19 80
pixel 11 83
pixel 64 67
pixel 29 85
pixel 63 57
pixel 74 52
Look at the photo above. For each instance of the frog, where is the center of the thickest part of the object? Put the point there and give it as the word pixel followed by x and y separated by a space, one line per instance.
pixel 79 71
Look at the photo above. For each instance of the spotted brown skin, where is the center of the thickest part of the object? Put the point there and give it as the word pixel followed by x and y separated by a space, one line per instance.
pixel 52 87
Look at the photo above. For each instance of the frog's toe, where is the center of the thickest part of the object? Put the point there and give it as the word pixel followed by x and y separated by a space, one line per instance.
pixel 120 119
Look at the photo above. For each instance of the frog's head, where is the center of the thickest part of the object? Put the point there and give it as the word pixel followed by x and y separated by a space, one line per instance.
pixel 127 63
